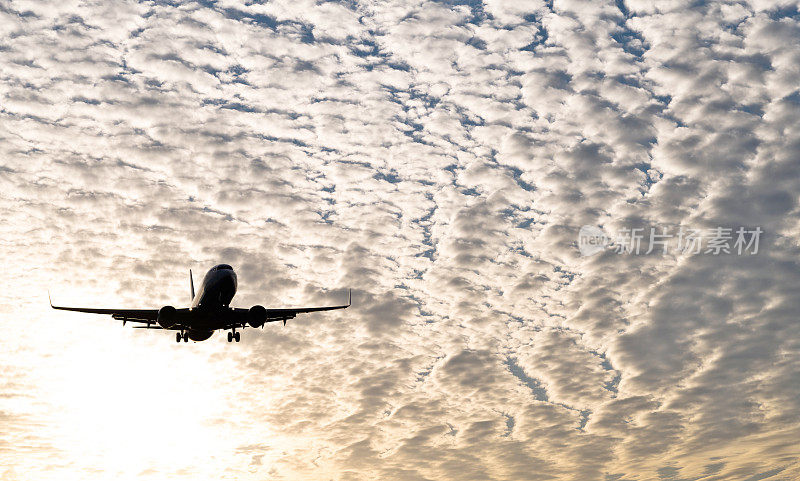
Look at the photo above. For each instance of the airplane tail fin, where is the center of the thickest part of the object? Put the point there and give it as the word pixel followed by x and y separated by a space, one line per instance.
pixel 191 283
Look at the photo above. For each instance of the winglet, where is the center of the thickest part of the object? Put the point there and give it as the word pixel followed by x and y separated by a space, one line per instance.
pixel 349 296
pixel 48 298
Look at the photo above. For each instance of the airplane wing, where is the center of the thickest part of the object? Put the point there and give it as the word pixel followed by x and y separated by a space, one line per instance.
pixel 239 317
pixel 293 311
pixel 148 316
pixel 234 318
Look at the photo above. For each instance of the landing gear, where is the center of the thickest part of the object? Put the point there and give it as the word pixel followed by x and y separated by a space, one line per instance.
pixel 185 337
pixel 230 336
pixel 178 337
pixel 237 337
pixel 234 336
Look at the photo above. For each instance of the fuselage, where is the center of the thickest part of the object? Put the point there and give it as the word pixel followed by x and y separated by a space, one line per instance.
pixel 216 290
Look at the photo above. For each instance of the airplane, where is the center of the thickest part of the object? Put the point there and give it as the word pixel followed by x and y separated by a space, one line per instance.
pixel 210 310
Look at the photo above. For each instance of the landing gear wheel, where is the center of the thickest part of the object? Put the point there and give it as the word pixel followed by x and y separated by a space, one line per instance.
pixel 185 337
pixel 237 337
pixel 178 337
pixel 230 336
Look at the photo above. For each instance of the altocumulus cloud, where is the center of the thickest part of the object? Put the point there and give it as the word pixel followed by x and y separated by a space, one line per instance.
pixel 439 158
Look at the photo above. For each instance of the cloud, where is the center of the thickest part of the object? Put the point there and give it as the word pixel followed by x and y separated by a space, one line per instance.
pixel 438 158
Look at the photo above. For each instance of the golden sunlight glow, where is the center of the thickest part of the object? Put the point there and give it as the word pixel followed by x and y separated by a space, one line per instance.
pixel 131 403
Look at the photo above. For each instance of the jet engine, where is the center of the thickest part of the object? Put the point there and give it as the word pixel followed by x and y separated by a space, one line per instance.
pixel 257 316
pixel 167 317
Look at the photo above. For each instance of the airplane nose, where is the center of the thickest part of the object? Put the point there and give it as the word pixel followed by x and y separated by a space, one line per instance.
pixel 226 285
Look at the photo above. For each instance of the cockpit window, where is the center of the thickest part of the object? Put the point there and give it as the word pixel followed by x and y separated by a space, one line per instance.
pixel 224 266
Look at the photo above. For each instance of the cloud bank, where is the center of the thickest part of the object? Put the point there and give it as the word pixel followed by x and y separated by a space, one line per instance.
pixel 439 157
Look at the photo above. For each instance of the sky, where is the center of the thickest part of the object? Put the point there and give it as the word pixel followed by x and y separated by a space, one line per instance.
pixel 439 158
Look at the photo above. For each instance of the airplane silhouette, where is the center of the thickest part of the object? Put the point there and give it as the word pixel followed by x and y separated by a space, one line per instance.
pixel 210 310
